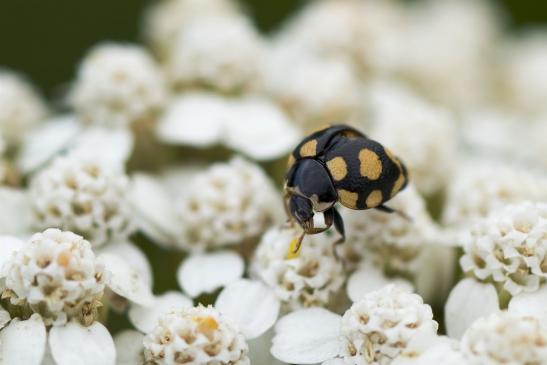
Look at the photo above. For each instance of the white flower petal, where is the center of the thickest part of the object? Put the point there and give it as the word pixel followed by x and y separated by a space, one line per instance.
pixel 74 344
pixel 146 318
pixel 369 279
pixel 203 273
pixel 259 350
pixel 152 208
pixel 129 348
pixel 134 256
pixel 110 146
pixel 15 212
pixel 307 336
pixel 260 129
pixel 195 119
pixel 337 361
pixel 46 141
pixel 23 342
pixel 531 304
pixel 8 245
pixel 251 304
pixel 125 280
pixel 468 301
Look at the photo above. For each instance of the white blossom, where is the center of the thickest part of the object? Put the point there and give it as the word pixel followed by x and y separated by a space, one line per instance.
pixel 509 247
pixel 199 56
pixel 164 19
pixel 290 72
pixel 56 275
pixel 83 195
pixel 430 154
pixel 21 107
pixel 375 330
pixel 313 277
pixel 200 335
pixel 480 188
pixel 118 84
pixel 505 338
pixel 226 205
pixel 522 72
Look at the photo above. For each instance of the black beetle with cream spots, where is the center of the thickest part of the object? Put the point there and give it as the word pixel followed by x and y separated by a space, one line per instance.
pixel 339 164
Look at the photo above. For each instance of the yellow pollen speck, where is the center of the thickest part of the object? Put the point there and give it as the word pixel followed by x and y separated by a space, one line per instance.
pixel 398 185
pixel 292 252
pixel 374 199
pixel 291 161
pixel 206 325
pixel 338 168
pixel 348 198
pixel 309 148
pixel 371 166
pixel 64 258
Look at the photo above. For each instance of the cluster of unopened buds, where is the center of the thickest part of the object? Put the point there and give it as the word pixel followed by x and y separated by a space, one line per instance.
pixel 146 224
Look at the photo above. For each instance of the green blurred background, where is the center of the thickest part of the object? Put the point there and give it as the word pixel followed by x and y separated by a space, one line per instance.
pixel 45 39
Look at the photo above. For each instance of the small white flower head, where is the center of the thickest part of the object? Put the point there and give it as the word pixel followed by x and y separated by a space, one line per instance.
pixel 362 32
pixel 445 49
pixel 199 335
pixel 164 19
pixel 307 279
pixel 376 329
pixel 84 196
pixel 290 72
pixel 118 84
pixel 56 274
pixel 390 241
pixel 227 204
pixel 20 107
pixel 199 56
pixel 523 72
pixel 479 188
pixel 510 247
pixel 431 152
pixel 505 338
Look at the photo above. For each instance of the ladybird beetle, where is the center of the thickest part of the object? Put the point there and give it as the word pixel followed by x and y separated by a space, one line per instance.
pixel 339 164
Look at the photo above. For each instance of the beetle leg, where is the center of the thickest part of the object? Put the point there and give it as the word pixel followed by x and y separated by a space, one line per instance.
pixel 387 209
pixel 290 221
pixel 339 226
pixel 299 242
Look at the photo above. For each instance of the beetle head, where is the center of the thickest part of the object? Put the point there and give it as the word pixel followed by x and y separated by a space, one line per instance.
pixel 302 210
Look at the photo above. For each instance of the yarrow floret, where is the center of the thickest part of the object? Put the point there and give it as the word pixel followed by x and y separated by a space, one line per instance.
pixel 198 335
pixel 510 247
pixel 82 195
pixel 378 327
pixel 505 338
pixel 20 107
pixel 57 276
pixel 226 205
pixel 309 278
pixel 478 189
pixel 199 56
pixel 118 84
pixel 390 241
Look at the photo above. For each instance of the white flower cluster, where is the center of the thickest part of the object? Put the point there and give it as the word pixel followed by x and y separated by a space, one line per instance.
pixel 20 107
pixel 477 189
pixel 510 247
pixel 505 338
pixel 391 241
pixel 199 56
pixel 117 85
pixel 310 278
pixel 430 154
pixel 227 204
pixel 84 196
pixel 377 328
pixel 199 335
pixel 57 276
